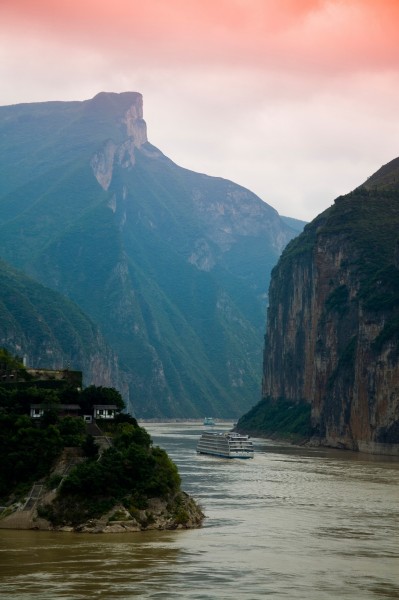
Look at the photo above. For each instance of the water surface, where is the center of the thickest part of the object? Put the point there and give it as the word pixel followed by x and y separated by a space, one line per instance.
pixel 292 523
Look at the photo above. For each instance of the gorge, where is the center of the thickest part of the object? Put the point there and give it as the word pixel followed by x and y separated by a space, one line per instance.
pixel 170 265
pixel 331 347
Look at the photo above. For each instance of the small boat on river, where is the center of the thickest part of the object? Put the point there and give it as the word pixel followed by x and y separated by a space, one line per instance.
pixel 225 444
pixel 209 421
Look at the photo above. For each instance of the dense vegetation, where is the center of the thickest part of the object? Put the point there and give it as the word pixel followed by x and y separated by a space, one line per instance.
pixel 8 362
pixel 29 447
pixel 128 472
pixel 278 418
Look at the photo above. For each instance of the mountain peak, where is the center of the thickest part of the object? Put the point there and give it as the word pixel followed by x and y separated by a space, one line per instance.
pixel 386 178
pixel 126 107
pixel 114 103
pixel 127 110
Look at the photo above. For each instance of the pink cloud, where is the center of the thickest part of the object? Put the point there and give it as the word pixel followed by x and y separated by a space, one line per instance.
pixel 309 35
pixel 246 89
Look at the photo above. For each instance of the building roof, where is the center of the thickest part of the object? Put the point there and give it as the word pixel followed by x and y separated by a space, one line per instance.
pixel 59 406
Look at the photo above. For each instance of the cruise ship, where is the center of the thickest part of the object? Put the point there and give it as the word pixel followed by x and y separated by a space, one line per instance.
pixel 225 444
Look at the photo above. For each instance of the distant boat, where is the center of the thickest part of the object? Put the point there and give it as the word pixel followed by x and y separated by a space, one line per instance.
pixel 209 421
pixel 225 444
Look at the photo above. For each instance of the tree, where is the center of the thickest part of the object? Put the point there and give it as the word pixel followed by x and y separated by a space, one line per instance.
pixel 23 398
pixel 100 395
pixel 12 365
pixel 26 451
pixel 89 447
pixel 127 434
pixel 9 362
pixel 72 430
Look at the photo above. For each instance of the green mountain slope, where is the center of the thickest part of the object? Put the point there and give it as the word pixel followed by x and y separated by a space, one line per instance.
pixel 172 265
pixel 50 331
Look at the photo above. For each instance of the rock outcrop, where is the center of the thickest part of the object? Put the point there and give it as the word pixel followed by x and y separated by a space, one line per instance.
pixel 110 497
pixel 135 135
pixel 177 512
pixel 332 337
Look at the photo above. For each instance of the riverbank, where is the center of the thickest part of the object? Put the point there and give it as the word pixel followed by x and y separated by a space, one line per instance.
pixel 179 511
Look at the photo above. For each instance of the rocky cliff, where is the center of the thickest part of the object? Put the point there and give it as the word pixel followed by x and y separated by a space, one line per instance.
pixel 172 265
pixel 332 339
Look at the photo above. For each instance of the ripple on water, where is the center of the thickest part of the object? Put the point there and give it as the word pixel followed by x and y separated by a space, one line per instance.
pixel 292 523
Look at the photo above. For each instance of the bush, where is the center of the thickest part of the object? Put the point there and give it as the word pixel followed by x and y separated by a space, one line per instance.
pixel 27 452
pixel 72 430
pixel 89 447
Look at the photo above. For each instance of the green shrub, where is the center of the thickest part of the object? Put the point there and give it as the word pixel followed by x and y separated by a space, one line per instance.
pixel 118 515
pixel 89 447
pixel 72 430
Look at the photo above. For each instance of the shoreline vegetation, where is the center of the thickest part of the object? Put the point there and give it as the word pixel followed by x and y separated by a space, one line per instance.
pixel 64 473
pixel 278 420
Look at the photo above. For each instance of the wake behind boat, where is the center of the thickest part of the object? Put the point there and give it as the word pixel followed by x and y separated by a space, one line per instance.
pixel 225 444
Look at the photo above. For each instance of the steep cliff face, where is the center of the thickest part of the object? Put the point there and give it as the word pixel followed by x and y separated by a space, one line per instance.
pixel 112 154
pixel 172 265
pixel 332 337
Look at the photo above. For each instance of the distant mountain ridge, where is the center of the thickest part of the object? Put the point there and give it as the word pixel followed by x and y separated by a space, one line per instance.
pixel 295 224
pixel 332 342
pixel 172 265
pixel 49 331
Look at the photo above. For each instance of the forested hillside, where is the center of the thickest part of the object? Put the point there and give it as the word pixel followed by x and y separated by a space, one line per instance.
pixel 80 479
pixel 173 266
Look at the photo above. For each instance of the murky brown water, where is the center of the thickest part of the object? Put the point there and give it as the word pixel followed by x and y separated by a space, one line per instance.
pixel 292 523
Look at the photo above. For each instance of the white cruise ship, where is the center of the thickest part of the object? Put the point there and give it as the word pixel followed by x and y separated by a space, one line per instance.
pixel 225 444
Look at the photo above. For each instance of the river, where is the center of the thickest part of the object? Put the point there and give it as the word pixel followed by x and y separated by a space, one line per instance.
pixel 292 523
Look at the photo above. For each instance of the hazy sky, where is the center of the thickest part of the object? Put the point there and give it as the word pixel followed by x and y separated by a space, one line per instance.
pixel 296 100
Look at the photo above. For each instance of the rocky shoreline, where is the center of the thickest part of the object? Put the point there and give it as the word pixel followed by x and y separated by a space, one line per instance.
pixel 179 512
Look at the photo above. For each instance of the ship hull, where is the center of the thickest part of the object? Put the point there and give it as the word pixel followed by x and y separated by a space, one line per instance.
pixel 222 455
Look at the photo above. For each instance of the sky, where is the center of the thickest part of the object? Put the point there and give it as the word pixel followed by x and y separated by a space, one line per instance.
pixel 296 100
